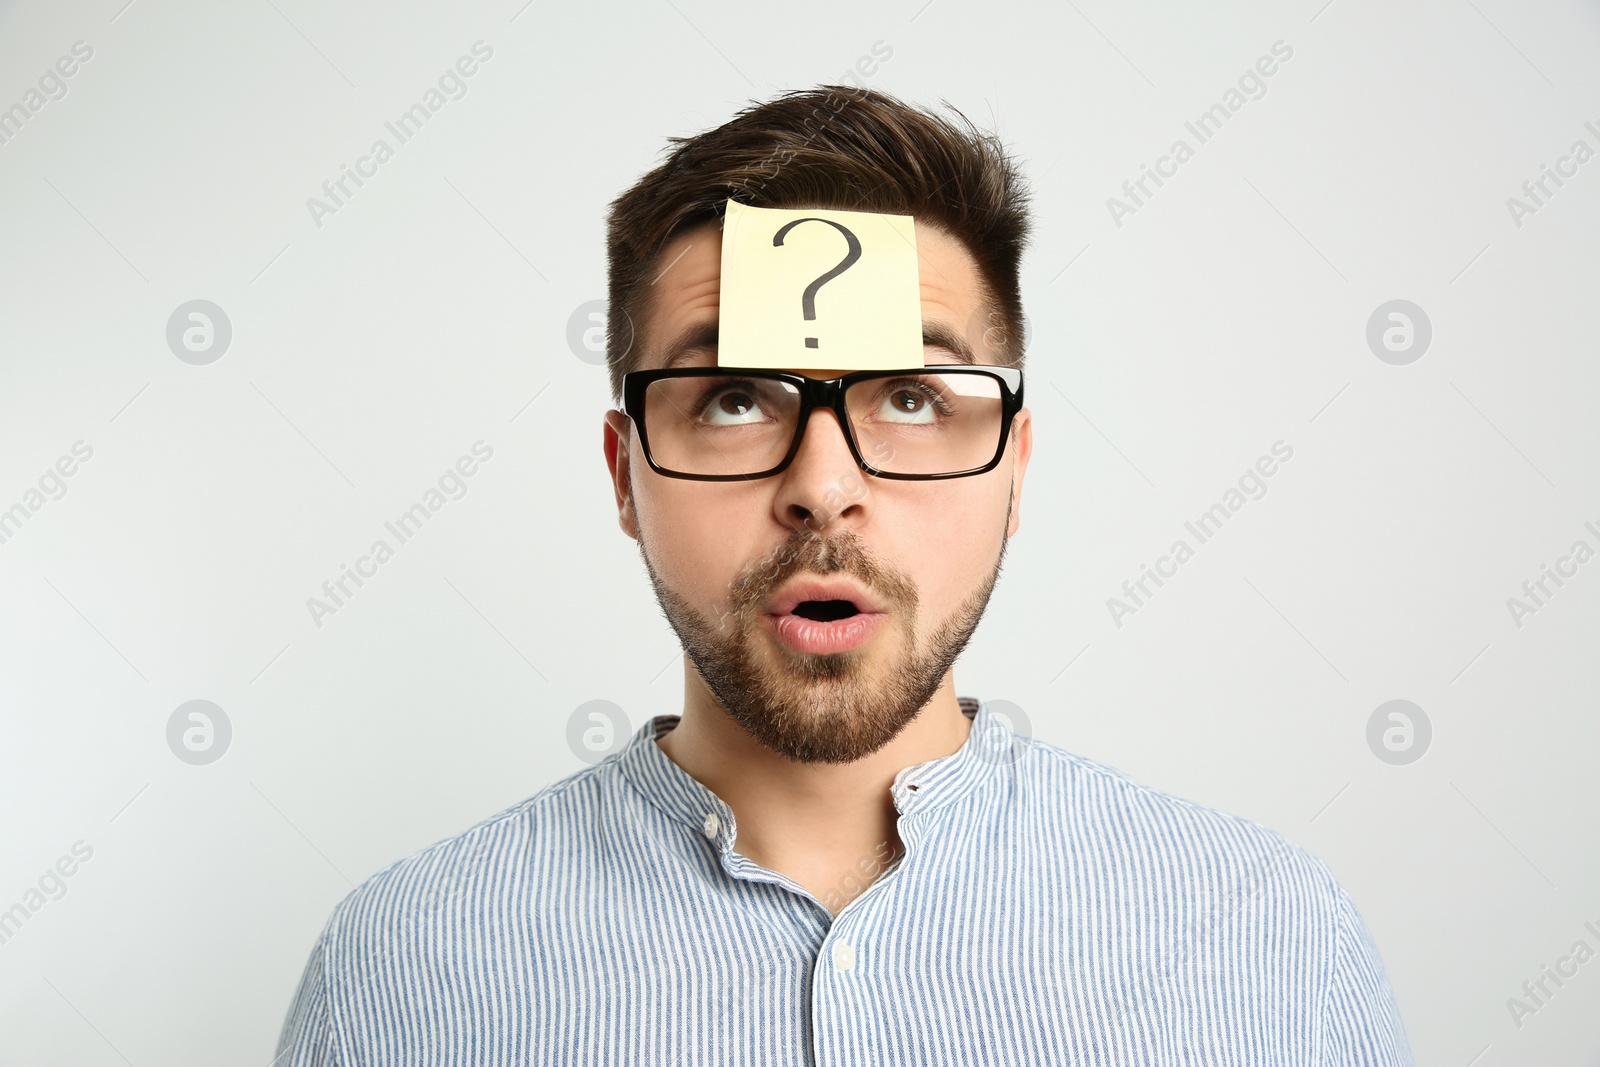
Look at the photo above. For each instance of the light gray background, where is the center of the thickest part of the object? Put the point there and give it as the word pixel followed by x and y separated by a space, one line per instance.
pixel 432 311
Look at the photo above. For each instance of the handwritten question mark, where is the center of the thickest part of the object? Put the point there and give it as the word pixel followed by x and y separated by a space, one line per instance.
pixel 808 299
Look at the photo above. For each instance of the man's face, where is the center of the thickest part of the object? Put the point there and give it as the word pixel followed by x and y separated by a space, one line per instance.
pixel 725 556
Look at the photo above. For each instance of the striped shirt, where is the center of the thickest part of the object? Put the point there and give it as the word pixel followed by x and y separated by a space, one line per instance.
pixel 1046 909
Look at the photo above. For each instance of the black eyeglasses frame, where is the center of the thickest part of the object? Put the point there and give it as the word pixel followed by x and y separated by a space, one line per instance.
pixel 822 393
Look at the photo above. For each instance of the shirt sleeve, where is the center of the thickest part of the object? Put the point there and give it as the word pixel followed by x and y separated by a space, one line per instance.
pixel 308 1038
pixel 1361 1026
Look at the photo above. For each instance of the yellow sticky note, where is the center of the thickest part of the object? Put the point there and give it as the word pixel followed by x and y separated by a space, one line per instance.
pixel 814 289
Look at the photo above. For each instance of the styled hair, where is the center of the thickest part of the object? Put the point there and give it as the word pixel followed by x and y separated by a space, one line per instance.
pixel 833 147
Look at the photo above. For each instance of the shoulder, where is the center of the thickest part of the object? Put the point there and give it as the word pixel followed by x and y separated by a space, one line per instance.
pixel 1212 892
pixel 1101 807
pixel 460 879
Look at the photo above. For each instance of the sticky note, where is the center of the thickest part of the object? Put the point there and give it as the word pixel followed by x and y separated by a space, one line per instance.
pixel 815 289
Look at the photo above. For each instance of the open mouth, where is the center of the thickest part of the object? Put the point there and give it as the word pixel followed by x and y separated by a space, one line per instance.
pixel 825 610
pixel 825 615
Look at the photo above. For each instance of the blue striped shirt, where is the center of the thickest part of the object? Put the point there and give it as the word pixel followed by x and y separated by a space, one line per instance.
pixel 1046 909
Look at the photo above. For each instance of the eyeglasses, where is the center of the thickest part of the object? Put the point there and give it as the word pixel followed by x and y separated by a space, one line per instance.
pixel 720 424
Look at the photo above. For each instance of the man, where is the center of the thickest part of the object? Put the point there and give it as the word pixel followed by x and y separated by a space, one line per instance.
pixel 829 857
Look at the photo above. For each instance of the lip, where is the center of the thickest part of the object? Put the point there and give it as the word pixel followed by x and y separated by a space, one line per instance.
pixel 805 589
pixel 822 638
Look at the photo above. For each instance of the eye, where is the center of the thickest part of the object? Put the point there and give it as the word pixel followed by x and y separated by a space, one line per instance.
pixel 909 402
pixel 730 405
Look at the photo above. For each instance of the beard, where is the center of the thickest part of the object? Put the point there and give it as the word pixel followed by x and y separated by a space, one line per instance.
pixel 821 707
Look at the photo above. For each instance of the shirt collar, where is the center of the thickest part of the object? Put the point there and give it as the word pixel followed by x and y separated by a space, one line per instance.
pixel 920 787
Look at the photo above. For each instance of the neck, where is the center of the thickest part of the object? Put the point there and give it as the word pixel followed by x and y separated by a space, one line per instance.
pixel 813 822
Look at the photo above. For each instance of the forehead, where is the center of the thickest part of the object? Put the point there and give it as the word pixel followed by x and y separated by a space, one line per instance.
pixel 686 287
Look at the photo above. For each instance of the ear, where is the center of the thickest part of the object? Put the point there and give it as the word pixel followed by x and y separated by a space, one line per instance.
pixel 618 439
pixel 1022 446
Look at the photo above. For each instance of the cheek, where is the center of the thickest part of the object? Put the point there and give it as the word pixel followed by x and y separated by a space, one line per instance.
pixel 697 539
pixel 958 532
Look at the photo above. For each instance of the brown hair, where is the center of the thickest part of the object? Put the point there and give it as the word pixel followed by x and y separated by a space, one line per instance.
pixel 838 147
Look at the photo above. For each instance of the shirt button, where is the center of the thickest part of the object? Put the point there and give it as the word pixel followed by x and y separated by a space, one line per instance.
pixel 712 825
pixel 844 957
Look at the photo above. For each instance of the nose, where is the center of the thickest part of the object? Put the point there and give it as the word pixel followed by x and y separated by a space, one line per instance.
pixel 822 486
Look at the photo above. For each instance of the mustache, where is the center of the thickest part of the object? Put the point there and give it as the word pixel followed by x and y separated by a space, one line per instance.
pixel 808 552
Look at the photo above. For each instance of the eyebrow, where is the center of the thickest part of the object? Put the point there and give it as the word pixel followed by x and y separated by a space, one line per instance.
pixel 701 338
pixel 938 335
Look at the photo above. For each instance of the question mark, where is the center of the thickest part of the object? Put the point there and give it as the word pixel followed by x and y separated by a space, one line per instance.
pixel 808 299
